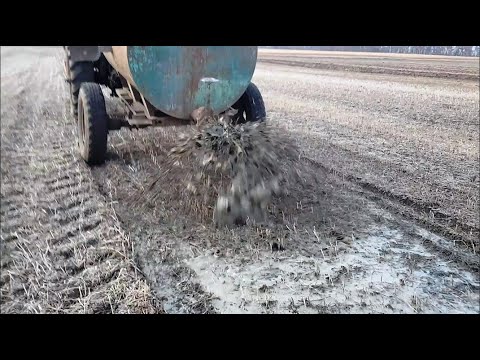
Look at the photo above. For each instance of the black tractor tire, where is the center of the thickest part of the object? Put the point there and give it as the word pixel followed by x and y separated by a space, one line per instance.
pixel 92 124
pixel 77 73
pixel 251 107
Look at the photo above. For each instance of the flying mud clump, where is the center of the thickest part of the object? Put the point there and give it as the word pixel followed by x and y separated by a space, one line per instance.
pixel 231 170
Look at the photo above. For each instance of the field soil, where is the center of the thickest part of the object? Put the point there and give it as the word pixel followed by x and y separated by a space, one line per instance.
pixel 385 219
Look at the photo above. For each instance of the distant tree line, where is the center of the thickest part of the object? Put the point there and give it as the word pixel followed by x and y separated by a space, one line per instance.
pixel 426 50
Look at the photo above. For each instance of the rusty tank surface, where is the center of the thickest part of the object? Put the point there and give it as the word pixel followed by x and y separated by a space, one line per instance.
pixel 179 79
pixel 160 85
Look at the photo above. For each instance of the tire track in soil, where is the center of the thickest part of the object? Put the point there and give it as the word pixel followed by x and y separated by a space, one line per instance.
pixel 62 251
pixel 329 247
pixel 448 226
pixel 157 249
pixel 339 250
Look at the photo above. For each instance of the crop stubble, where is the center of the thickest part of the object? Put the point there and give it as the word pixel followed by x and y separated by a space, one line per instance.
pixel 62 251
pixel 336 242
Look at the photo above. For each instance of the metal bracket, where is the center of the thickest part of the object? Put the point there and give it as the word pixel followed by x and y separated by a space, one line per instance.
pixel 140 114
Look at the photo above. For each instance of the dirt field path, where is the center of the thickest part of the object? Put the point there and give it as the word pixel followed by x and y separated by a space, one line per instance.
pixel 389 227
pixel 62 250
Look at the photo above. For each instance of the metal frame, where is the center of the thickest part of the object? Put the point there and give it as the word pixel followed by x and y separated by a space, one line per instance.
pixel 141 112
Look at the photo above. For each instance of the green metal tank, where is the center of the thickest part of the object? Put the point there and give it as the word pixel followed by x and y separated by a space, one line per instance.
pixel 179 79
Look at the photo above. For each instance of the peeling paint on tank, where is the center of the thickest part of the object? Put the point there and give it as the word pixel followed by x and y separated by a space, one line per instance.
pixel 170 77
pixel 209 79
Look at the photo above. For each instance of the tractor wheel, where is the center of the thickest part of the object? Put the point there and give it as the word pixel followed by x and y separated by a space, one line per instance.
pixel 250 106
pixel 77 73
pixel 92 124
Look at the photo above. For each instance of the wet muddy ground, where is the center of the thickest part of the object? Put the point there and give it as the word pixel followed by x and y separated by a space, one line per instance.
pixel 383 220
